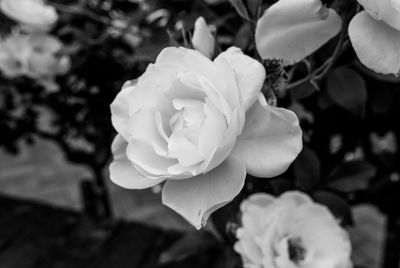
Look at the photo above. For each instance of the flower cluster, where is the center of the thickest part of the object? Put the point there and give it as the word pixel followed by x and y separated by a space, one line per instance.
pixel 197 124
pixel 29 50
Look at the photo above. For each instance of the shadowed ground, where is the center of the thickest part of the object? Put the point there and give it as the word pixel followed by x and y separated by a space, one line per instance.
pixel 41 173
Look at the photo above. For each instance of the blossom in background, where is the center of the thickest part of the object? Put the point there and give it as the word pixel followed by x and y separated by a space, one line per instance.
pixel 198 125
pixel 291 30
pixel 32 14
pixel 214 2
pixel 375 35
pixel 290 231
pixel 202 39
pixel 33 55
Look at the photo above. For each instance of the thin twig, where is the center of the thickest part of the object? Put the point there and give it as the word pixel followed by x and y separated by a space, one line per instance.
pixel 323 70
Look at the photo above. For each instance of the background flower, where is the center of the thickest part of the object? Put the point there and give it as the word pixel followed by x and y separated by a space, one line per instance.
pixel 197 124
pixel 33 55
pixel 375 35
pixel 34 14
pixel 290 231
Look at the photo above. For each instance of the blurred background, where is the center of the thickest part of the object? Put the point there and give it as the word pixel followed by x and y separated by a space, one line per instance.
pixel 56 134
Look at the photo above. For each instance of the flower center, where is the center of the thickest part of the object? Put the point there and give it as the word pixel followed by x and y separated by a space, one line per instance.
pixel 296 250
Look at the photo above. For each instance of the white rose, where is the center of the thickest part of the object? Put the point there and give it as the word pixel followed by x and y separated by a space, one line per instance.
pixel 375 35
pixel 34 14
pixel 290 231
pixel 197 124
pixel 202 39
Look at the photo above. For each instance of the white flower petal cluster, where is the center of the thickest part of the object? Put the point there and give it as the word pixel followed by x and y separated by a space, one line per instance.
pixel 290 231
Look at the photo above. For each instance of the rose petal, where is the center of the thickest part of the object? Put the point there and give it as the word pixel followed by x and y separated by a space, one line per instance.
pixel 212 130
pixel 142 126
pixel 120 110
pixel 122 171
pixel 142 154
pixel 291 30
pixel 385 10
pixel 224 149
pixel 202 38
pixel 270 141
pixel 191 60
pixel 257 199
pixel 249 73
pixel 196 198
pixel 376 44
pixel 182 149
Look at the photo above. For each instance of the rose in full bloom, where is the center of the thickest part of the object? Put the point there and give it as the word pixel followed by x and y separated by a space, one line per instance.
pixel 375 35
pixel 290 231
pixel 33 55
pixel 33 14
pixel 202 39
pixel 198 125
pixel 291 30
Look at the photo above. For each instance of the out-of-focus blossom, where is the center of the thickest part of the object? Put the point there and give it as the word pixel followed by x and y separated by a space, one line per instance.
pixel 291 30
pixel 375 35
pixel 33 55
pixel 290 231
pixel 160 17
pixel 198 125
pixel 32 14
pixel 202 39
pixel 214 2
pixel 383 144
pixel 129 33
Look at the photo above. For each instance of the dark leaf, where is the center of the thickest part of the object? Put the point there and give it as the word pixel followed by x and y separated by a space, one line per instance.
pixel 254 7
pixel 324 101
pixel 348 90
pixel 240 9
pixel 306 169
pixel 243 37
pixel 351 176
pixel 191 244
pixel 337 205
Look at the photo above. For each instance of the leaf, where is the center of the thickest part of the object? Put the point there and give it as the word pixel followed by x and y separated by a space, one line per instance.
pixel 352 176
pixel 307 170
pixel 240 9
pixel 348 90
pixel 337 205
pixel 243 37
pixel 254 7
pixel 191 244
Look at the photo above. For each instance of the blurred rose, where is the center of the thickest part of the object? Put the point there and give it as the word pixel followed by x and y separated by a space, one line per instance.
pixel 33 55
pixel 375 35
pixel 290 231
pixel 291 30
pixel 202 39
pixel 33 14
pixel 199 125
